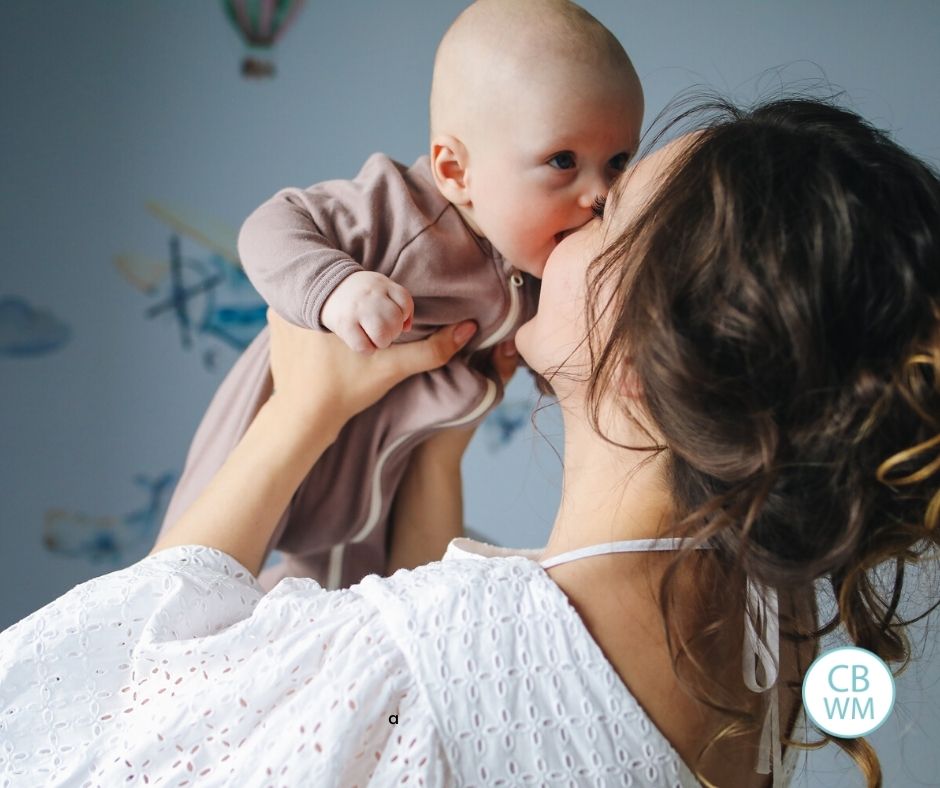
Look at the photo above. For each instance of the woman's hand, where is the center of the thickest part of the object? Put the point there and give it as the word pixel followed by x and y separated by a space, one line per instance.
pixel 313 369
pixel 320 385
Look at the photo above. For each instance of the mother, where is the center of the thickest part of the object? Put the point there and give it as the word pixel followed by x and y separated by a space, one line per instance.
pixel 746 351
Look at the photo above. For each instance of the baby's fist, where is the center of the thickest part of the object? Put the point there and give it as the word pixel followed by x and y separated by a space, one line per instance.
pixel 367 310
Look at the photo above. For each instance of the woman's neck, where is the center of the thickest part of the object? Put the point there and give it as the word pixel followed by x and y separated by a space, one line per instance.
pixel 608 493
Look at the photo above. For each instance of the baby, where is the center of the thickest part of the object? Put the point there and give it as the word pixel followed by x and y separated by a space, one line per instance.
pixel 535 110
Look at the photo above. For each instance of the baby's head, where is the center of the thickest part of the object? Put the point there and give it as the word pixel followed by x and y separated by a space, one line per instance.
pixel 535 110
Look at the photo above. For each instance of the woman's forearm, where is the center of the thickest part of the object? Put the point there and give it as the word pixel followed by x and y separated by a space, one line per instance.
pixel 320 385
pixel 240 508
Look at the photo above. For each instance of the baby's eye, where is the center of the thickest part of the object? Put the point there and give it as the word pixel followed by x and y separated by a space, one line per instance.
pixel 597 207
pixel 562 161
pixel 620 161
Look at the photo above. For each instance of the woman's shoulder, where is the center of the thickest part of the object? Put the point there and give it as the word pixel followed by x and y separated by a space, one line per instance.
pixel 455 586
pixel 507 666
pixel 467 586
pixel 184 644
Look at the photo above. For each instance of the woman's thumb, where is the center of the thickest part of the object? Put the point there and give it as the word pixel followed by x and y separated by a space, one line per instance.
pixel 430 353
pixel 463 332
pixel 449 341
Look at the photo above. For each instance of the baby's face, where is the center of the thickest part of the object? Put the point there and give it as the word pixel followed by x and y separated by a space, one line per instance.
pixel 535 173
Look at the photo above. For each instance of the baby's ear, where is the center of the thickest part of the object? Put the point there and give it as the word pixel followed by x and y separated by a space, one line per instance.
pixel 630 386
pixel 449 167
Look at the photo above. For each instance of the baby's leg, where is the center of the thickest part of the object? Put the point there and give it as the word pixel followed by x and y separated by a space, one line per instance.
pixel 242 393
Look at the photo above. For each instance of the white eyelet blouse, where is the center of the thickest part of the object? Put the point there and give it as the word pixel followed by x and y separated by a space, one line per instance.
pixel 179 670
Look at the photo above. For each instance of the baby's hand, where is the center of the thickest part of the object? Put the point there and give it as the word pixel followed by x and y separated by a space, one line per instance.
pixel 367 310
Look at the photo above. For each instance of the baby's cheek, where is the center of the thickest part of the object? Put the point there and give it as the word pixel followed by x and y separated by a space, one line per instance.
pixel 549 223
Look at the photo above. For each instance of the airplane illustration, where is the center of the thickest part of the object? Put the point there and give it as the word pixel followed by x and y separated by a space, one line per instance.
pixel 208 296
pixel 212 297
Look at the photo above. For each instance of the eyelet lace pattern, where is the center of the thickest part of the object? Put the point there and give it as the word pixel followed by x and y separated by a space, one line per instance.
pixel 180 671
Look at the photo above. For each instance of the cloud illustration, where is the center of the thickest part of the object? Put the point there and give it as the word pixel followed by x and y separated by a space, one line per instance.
pixel 28 331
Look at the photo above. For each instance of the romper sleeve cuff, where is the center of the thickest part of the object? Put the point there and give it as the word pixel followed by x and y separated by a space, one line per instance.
pixel 323 287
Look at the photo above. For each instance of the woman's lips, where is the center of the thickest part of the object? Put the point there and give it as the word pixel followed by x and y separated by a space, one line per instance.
pixel 559 237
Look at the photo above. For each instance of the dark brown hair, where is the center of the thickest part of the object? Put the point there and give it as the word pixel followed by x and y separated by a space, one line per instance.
pixel 778 298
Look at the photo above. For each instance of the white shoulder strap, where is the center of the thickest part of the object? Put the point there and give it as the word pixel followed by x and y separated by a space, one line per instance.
pixel 628 546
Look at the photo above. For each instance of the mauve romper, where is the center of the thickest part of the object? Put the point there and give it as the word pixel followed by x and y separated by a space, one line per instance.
pixel 296 248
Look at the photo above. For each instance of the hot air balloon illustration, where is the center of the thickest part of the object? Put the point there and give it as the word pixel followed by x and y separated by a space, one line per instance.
pixel 261 23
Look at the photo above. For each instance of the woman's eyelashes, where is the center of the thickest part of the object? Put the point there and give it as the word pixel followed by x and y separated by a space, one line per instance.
pixel 597 207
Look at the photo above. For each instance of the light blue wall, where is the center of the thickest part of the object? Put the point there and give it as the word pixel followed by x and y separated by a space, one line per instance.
pixel 106 106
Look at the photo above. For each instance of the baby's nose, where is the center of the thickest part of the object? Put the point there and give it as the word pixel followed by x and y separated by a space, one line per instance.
pixel 593 187
pixel 586 199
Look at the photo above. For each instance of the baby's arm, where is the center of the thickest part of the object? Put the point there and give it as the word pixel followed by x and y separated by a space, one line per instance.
pixel 302 245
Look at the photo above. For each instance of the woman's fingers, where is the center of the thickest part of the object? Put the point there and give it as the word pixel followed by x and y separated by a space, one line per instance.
pixel 505 360
pixel 314 366
pixel 409 358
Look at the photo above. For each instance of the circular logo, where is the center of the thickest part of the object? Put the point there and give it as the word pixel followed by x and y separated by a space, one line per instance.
pixel 848 692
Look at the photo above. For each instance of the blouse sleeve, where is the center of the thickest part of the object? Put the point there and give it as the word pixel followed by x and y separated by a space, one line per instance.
pixel 181 668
